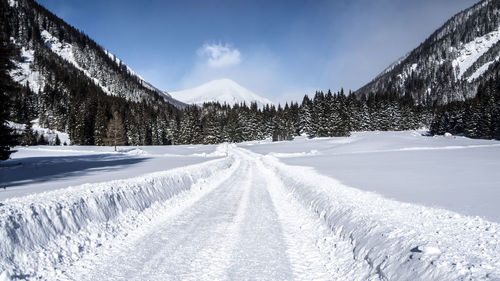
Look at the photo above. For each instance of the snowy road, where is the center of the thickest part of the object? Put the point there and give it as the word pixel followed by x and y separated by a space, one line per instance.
pixel 237 231
pixel 242 215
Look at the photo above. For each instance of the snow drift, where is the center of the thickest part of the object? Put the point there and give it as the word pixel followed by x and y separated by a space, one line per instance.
pixel 398 241
pixel 40 233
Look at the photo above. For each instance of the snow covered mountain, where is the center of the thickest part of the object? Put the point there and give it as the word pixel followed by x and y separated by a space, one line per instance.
pixel 38 33
pixel 451 63
pixel 222 91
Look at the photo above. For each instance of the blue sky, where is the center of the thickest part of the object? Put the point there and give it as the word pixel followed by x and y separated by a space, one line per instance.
pixel 281 49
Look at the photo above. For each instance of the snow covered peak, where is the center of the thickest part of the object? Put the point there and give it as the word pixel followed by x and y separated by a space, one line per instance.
pixel 450 64
pixel 222 91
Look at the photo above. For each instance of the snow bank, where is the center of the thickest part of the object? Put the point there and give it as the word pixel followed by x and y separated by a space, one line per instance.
pixel 312 152
pixel 40 233
pixel 220 151
pixel 398 241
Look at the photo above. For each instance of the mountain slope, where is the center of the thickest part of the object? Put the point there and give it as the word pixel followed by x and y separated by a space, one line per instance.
pixel 222 91
pixel 451 63
pixel 71 84
pixel 35 30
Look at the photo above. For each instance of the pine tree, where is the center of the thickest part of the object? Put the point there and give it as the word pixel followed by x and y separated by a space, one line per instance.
pixel 29 137
pixel 190 126
pixel 172 132
pixel 364 111
pixel 100 125
pixel 57 141
pixel 7 137
pixel 115 133
pixel 305 116
pixel 212 130
pixel 472 119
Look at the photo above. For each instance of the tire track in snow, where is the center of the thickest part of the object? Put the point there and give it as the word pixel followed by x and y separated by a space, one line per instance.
pixel 260 253
pixel 315 252
pixel 246 228
pixel 140 252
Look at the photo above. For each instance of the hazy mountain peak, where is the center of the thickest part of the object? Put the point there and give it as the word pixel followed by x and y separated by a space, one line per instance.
pixel 220 90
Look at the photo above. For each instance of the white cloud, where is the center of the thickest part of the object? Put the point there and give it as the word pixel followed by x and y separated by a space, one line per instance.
pixel 260 71
pixel 219 55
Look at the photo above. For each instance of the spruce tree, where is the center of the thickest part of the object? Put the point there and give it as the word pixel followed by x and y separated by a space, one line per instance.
pixel 7 136
pixel 190 126
pixel 7 51
pixel 172 131
pixel 100 125
pixel 29 137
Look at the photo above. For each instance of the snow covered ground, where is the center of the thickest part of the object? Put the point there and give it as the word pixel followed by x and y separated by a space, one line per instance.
pixel 454 173
pixel 42 168
pixel 374 206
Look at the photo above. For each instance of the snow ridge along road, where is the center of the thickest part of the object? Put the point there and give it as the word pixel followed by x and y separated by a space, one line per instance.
pixel 244 217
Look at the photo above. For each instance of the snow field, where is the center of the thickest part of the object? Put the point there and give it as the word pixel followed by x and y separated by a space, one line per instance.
pixel 397 241
pixel 253 215
pixel 43 232
pixel 37 169
pixel 453 173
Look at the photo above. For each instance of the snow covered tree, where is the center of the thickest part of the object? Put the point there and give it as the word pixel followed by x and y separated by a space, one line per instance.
pixel 305 116
pixel 190 126
pixel 172 131
pixel 212 130
pixel 100 125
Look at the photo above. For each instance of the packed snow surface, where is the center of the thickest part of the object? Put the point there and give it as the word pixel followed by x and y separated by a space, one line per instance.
pixel 262 211
pixel 222 91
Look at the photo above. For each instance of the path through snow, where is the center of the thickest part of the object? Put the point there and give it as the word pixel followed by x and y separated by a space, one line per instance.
pixel 237 231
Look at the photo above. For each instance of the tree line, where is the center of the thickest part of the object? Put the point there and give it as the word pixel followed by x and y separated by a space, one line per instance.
pixel 478 117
